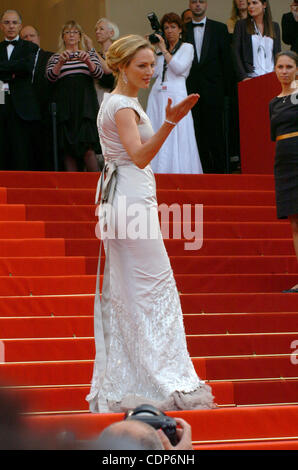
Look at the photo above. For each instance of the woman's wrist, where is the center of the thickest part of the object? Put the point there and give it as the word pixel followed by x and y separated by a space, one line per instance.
pixel 172 123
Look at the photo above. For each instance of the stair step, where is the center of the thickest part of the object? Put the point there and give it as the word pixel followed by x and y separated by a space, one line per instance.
pixel 244 423
pixel 73 398
pixel 73 348
pixel 46 266
pixel 53 372
pixel 82 326
pixel 67 212
pixel 211 247
pixel 164 196
pixel 39 179
pixel 83 304
pixel 186 284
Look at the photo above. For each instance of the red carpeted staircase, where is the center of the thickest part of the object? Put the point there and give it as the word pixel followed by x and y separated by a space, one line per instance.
pixel 242 331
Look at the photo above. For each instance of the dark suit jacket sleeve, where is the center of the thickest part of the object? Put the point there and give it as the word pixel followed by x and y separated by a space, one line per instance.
pixel 288 29
pixel 20 67
pixel 226 59
pixel 238 40
pixel 277 40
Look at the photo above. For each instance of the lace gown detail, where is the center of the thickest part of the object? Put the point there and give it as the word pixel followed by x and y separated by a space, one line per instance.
pixel 141 351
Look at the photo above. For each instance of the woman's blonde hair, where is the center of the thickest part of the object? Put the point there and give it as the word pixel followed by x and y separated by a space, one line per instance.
pixel 69 25
pixel 235 16
pixel 122 51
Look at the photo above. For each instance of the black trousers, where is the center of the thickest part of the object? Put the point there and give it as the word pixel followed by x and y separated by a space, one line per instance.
pixel 210 135
pixel 16 137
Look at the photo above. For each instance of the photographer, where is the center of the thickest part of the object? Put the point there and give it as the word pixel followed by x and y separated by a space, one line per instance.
pixel 179 154
pixel 123 434
pixel 72 71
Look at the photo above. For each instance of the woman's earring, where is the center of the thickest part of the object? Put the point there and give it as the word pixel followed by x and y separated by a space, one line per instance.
pixel 124 77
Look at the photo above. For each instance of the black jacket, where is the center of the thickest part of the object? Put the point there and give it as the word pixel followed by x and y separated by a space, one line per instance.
pixel 243 51
pixel 211 77
pixel 17 72
pixel 41 84
pixel 289 28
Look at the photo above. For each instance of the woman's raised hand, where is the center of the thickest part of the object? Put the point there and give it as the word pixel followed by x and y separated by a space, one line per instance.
pixel 177 112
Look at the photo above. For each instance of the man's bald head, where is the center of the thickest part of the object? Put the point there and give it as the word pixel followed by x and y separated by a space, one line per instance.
pixel 120 434
pixel 29 33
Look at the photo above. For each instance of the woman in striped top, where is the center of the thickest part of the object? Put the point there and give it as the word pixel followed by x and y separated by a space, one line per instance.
pixel 72 70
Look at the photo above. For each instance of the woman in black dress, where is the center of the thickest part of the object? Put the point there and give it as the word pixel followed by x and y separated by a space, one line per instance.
pixel 72 71
pixel 284 129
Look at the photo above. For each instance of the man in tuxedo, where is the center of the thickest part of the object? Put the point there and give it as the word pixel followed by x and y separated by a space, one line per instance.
pixel 20 111
pixel 211 78
pixel 42 87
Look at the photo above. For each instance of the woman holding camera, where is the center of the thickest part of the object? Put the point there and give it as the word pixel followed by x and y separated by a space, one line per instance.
pixel 179 154
pixel 72 71
pixel 141 349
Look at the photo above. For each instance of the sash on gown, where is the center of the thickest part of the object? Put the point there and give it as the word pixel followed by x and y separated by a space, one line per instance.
pixel 104 194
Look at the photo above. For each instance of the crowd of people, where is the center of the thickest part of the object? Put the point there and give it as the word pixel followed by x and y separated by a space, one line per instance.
pixel 48 93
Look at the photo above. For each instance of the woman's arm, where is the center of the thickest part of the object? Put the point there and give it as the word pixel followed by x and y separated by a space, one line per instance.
pixel 90 47
pixel 142 153
pixel 54 66
pixel 181 63
pixel 91 59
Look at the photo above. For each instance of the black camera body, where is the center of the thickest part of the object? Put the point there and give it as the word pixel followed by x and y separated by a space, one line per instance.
pixel 155 25
pixel 74 55
pixel 157 419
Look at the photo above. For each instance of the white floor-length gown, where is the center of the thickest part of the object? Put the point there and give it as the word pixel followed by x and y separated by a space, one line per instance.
pixel 179 153
pixel 141 351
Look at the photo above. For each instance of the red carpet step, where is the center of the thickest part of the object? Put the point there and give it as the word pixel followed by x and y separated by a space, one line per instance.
pixel 208 426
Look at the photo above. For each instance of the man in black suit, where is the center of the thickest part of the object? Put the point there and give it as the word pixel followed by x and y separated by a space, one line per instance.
pixel 289 25
pixel 211 78
pixel 42 87
pixel 20 111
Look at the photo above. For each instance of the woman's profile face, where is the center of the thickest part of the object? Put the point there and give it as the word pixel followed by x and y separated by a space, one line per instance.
pixel 172 32
pixel 71 37
pixel 255 7
pixel 140 69
pixel 103 32
pixel 286 70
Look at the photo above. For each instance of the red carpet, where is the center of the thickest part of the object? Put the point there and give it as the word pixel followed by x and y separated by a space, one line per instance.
pixel 240 327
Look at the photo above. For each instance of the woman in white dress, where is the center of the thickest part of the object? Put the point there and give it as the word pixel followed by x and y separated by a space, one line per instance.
pixel 179 154
pixel 141 351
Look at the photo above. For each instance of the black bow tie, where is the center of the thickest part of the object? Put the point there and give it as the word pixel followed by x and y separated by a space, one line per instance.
pixel 13 43
pixel 201 25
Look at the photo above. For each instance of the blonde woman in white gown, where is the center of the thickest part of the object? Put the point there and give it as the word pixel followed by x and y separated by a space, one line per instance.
pixel 141 351
pixel 179 153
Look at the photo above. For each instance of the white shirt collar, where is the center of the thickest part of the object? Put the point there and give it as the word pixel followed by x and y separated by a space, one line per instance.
pixel 202 21
pixel 14 39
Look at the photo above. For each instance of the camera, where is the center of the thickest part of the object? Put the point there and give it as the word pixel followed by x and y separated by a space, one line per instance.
pixel 156 27
pixel 157 419
pixel 73 55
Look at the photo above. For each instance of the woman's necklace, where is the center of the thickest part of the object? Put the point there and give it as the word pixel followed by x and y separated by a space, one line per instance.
pixel 286 96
